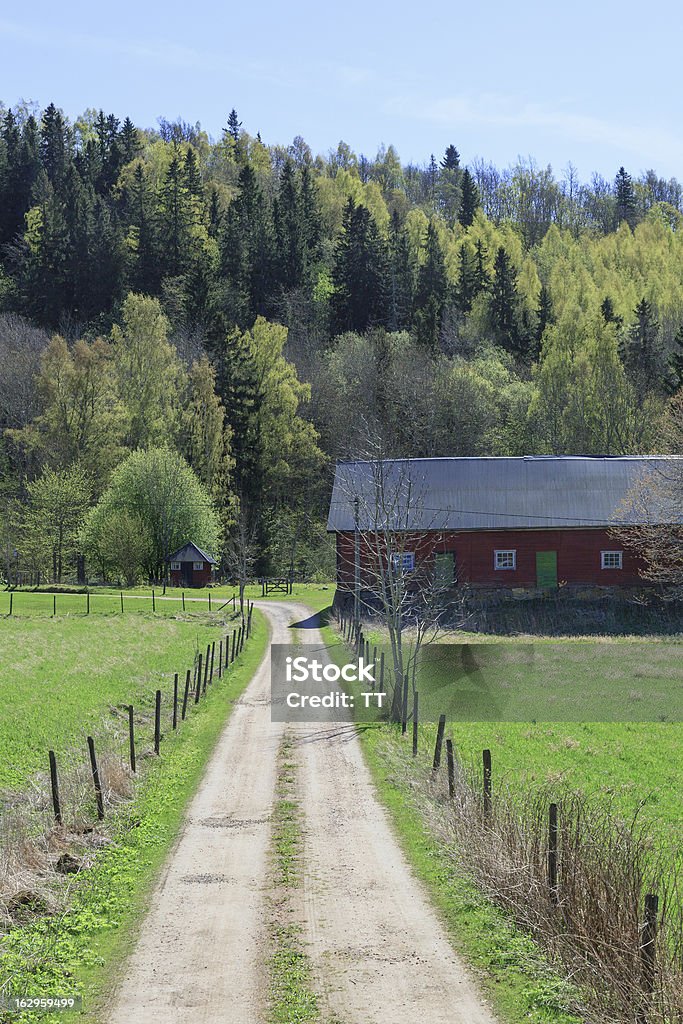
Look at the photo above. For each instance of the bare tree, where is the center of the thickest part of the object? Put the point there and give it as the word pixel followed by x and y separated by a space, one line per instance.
pixel 242 551
pixel 396 535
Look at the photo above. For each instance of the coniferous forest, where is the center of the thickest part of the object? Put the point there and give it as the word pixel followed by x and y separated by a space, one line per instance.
pixel 254 311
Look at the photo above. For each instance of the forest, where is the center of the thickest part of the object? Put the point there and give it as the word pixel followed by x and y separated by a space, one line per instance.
pixel 193 329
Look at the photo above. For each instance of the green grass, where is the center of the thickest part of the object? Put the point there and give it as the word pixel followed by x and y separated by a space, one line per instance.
pixel 292 1000
pixel 107 600
pixel 81 950
pixel 59 678
pixel 625 763
pixel 561 702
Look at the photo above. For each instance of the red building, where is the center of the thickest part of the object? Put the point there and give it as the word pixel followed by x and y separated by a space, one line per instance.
pixel 529 522
pixel 189 566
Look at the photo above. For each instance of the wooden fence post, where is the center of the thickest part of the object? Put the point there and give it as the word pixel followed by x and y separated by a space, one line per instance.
pixel 552 853
pixel 54 606
pixel 209 600
pixel 206 666
pixel 175 701
pixel 213 654
pixel 404 706
pixel 198 681
pixel 439 743
pixel 234 636
pixel 54 783
pixel 87 603
pixel 451 768
pixel 11 597
pixel 122 602
pixel 182 596
pixel 415 722
pixel 131 738
pixel 486 758
pixel 648 955
pixel 188 676
pixel 154 603
pixel 96 778
pixel 220 659
pixel 157 722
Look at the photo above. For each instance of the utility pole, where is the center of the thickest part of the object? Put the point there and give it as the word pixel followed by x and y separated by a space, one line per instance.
pixel 356 564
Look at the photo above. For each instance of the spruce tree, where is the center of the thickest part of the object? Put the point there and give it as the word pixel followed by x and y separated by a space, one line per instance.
pixel 673 381
pixel 451 159
pixel 625 196
pixel 504 310
pixel 640 350
pixel 129 141
pixel 431 293
pixel 234 125
pixel 401 276
pixel 608 314
pixel 53 145
pixel 360 273
pixel 469 199
pixel 466 288
pixel 482 278
pixel 544 314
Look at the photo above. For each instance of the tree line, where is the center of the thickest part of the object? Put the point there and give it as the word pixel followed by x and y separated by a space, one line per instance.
pixel 256 311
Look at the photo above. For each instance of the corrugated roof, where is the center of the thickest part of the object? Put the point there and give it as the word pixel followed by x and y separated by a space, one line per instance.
pixel 190 553
pixel 495 493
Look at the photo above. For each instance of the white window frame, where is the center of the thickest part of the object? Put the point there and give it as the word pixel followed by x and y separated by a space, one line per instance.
pixel 403 561
pixel 607 556
pixel 197 566
pixel 500 555
pixel 175 566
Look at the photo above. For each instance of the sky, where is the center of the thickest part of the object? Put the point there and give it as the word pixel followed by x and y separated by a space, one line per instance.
pixel 594 84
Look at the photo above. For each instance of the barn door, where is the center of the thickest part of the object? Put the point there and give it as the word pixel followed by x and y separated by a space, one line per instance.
pixel 546 569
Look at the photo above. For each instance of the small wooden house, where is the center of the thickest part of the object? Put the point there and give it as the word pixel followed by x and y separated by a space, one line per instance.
pixel 189 566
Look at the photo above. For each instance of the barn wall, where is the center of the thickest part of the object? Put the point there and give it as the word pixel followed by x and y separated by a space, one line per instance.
pixel 578 556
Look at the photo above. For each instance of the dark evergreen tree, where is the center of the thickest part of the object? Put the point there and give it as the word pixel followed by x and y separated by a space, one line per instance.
pixel 608 314
pixel 504 312
pixel 248 253
pixel 234 125
pixel 451 159
pixel 145 270
pixel 54 153
pixel 625 207
pixel 401 276
pixel 673 381
pixel 482 278
pixel 544 314
pixel 290 230
pixel 360 273
pixel 466 289
pixel 129 141
pixel 640 350
pixel 469 199
pixel 192 178
pixel 431 293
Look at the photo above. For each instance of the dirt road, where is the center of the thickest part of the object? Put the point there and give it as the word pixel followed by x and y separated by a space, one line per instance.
pixel 377 948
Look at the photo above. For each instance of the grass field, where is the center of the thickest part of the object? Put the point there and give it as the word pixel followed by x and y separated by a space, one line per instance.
pixel 581 714
pixel 55 673
pixel 59 678
pixel 107 600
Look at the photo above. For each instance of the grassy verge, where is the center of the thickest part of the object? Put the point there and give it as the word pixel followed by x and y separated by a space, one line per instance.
pixel 80 950
pixel 292 1000
pixel 511 969
pixel 107 600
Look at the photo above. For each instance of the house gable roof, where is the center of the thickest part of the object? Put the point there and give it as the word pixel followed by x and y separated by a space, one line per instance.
pixel 191 553
pixel 528 492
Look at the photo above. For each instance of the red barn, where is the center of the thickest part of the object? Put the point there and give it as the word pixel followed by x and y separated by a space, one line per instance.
pixel 528 522
pixel 189 566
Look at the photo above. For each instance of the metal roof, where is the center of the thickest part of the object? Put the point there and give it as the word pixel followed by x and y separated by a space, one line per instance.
pixel 188 553
pixel 532 491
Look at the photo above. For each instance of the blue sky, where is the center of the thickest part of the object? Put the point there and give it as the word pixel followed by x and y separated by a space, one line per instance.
pixel 586 82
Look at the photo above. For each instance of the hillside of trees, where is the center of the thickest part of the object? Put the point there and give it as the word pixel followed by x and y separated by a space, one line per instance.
pixel 257 311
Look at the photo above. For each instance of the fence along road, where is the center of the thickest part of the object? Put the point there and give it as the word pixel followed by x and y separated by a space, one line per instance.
pixel 377 948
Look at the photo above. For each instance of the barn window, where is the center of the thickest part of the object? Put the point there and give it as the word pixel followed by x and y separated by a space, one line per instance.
pixel 175 565
pixel 505 559
pixel 611 559
pixel 197 565
pixel 403 562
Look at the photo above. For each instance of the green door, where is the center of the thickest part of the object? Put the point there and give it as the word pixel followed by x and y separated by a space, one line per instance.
pixel 546 568
pixel 444 570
